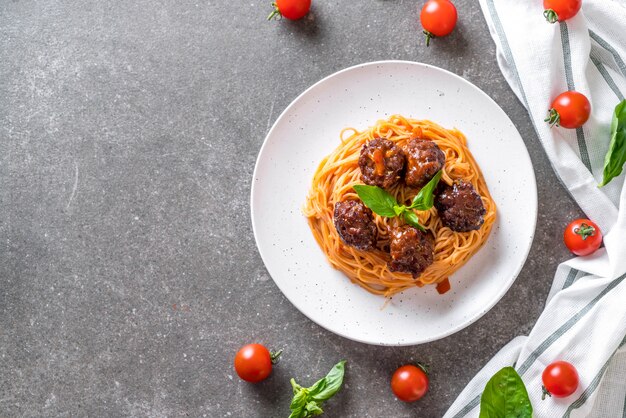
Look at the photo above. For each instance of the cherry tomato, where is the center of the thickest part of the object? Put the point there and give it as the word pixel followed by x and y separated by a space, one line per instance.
pixel 560 379
pixel 569 110
pixel 438 18
pixel 253 362
pixel 291 9
pixel 560 10
pixel 582 237
pixel 409 383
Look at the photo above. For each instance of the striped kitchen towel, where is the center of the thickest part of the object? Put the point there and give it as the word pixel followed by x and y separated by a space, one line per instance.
pixel 584 320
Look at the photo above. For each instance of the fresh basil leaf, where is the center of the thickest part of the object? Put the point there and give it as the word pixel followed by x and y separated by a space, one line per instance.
pixel 296 387
pixel 312 409
pixel 307 402
pixel 616 155
pixel 377 199
pixel 317 386
pixel 299 401
pixel 333 382
pixel 505 396
pixel 399 209
pixel 425 199
pixel 411 218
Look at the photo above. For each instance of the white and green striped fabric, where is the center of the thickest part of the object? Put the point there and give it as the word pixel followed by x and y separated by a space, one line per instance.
pixel 584 320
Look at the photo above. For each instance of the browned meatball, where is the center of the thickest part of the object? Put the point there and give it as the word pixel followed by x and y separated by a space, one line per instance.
pixel 411 250
pixel 460 207
pixel 423 160
pixel 381 163
pixel 355 224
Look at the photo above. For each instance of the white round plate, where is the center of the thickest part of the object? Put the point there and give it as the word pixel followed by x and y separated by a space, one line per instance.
pixel 308 130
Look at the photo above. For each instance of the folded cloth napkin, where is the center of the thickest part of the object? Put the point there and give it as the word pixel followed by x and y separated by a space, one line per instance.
pixel 584 320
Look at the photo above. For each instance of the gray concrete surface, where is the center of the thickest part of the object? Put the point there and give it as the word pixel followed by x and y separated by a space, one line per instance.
pixel 129 274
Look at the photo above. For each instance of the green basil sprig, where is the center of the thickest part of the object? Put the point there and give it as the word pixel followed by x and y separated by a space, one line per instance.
pixel 505 396
pixel 307 402
pixel 384 204
pixel 616 155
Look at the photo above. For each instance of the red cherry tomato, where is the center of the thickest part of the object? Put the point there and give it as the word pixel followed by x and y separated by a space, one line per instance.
pixel 582 237
pixel 560 379
pixel 409 383
pixel 291 9
pixel 438 18
pixel 569 110
pixel 253 362
pixel 560 10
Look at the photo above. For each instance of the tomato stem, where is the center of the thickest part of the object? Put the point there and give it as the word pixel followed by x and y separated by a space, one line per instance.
pixel 585 231
pixel 276 14
pixel 275 356
pixel 428 37
pixel 553 118
pixel 423 366
pixel 544 392
pixel 550 16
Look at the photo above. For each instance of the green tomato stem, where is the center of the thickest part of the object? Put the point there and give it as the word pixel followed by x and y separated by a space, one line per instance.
pixel 585 231
pixel 550 16
pixel 275 356
pixel 423 366
pixel 553 118
pixel 428 37
pixel 275 13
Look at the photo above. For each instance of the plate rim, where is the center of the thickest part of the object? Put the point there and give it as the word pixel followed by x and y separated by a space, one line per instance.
pixel 470 319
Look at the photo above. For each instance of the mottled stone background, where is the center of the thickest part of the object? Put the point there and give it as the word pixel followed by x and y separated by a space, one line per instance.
pixel 129 274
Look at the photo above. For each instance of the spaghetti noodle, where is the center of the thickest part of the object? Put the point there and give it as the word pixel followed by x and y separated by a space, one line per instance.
pixel 339 172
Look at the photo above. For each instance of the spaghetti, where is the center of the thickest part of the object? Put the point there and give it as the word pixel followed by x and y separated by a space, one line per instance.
pixel 339 172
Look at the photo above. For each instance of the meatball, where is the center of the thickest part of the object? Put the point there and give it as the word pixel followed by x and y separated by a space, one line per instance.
pixel 411 250
pixel 355 224
pixel 381 163
pixel 423 160
pixel 460 207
